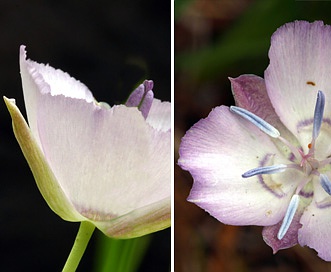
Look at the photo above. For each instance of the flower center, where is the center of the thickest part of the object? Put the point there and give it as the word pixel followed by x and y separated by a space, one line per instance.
pixel 309 165
pixel 306 163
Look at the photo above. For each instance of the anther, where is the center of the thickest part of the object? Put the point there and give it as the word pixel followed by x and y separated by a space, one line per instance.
pixel 265 170
pixel 146 103
pixel 257 121
pixel 325 183
pixel 292 208
pixel 318 114
pixel 142 98
pixel 136 96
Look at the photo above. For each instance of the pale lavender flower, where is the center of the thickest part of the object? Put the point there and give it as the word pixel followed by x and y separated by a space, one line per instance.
pixel 110 166
pixel 267 162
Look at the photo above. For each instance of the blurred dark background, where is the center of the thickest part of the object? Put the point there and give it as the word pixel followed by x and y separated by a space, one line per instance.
pixel 111 46
pixel 214 40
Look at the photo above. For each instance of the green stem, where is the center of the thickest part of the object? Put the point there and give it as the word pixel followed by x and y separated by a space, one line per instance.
pixel 83 237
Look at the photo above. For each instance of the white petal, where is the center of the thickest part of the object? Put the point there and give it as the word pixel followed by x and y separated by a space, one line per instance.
pixel 39 78
pixel 315 231
pixel 217 151
pixel 108 161
pixel 300 65
pixel 159 116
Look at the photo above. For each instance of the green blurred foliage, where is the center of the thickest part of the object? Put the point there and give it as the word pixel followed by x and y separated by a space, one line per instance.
pixel 120 255
pixel 245 44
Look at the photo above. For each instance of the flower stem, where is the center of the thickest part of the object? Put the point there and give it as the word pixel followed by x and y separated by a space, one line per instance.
pixel 83 237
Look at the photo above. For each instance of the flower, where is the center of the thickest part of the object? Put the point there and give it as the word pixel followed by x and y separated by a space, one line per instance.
pixel 91 162
pixel 267 161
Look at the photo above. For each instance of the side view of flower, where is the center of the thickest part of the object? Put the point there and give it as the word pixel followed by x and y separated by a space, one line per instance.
pixel 109 166
pixel 267 160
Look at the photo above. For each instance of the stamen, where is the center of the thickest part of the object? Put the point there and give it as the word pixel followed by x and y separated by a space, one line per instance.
pixel 325 183
pixel 146 103
pixel 136 96
pixel 142 97
pixel 292 207
pixel 257 121
pixel 318 114
pixel 265 170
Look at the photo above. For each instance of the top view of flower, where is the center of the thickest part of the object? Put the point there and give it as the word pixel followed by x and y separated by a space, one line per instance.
pixel 266 161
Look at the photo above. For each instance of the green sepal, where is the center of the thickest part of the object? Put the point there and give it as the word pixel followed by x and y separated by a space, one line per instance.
pixel 44 177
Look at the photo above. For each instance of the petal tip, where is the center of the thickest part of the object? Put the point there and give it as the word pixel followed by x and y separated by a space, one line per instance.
pixel 9 101
pixel 23 52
